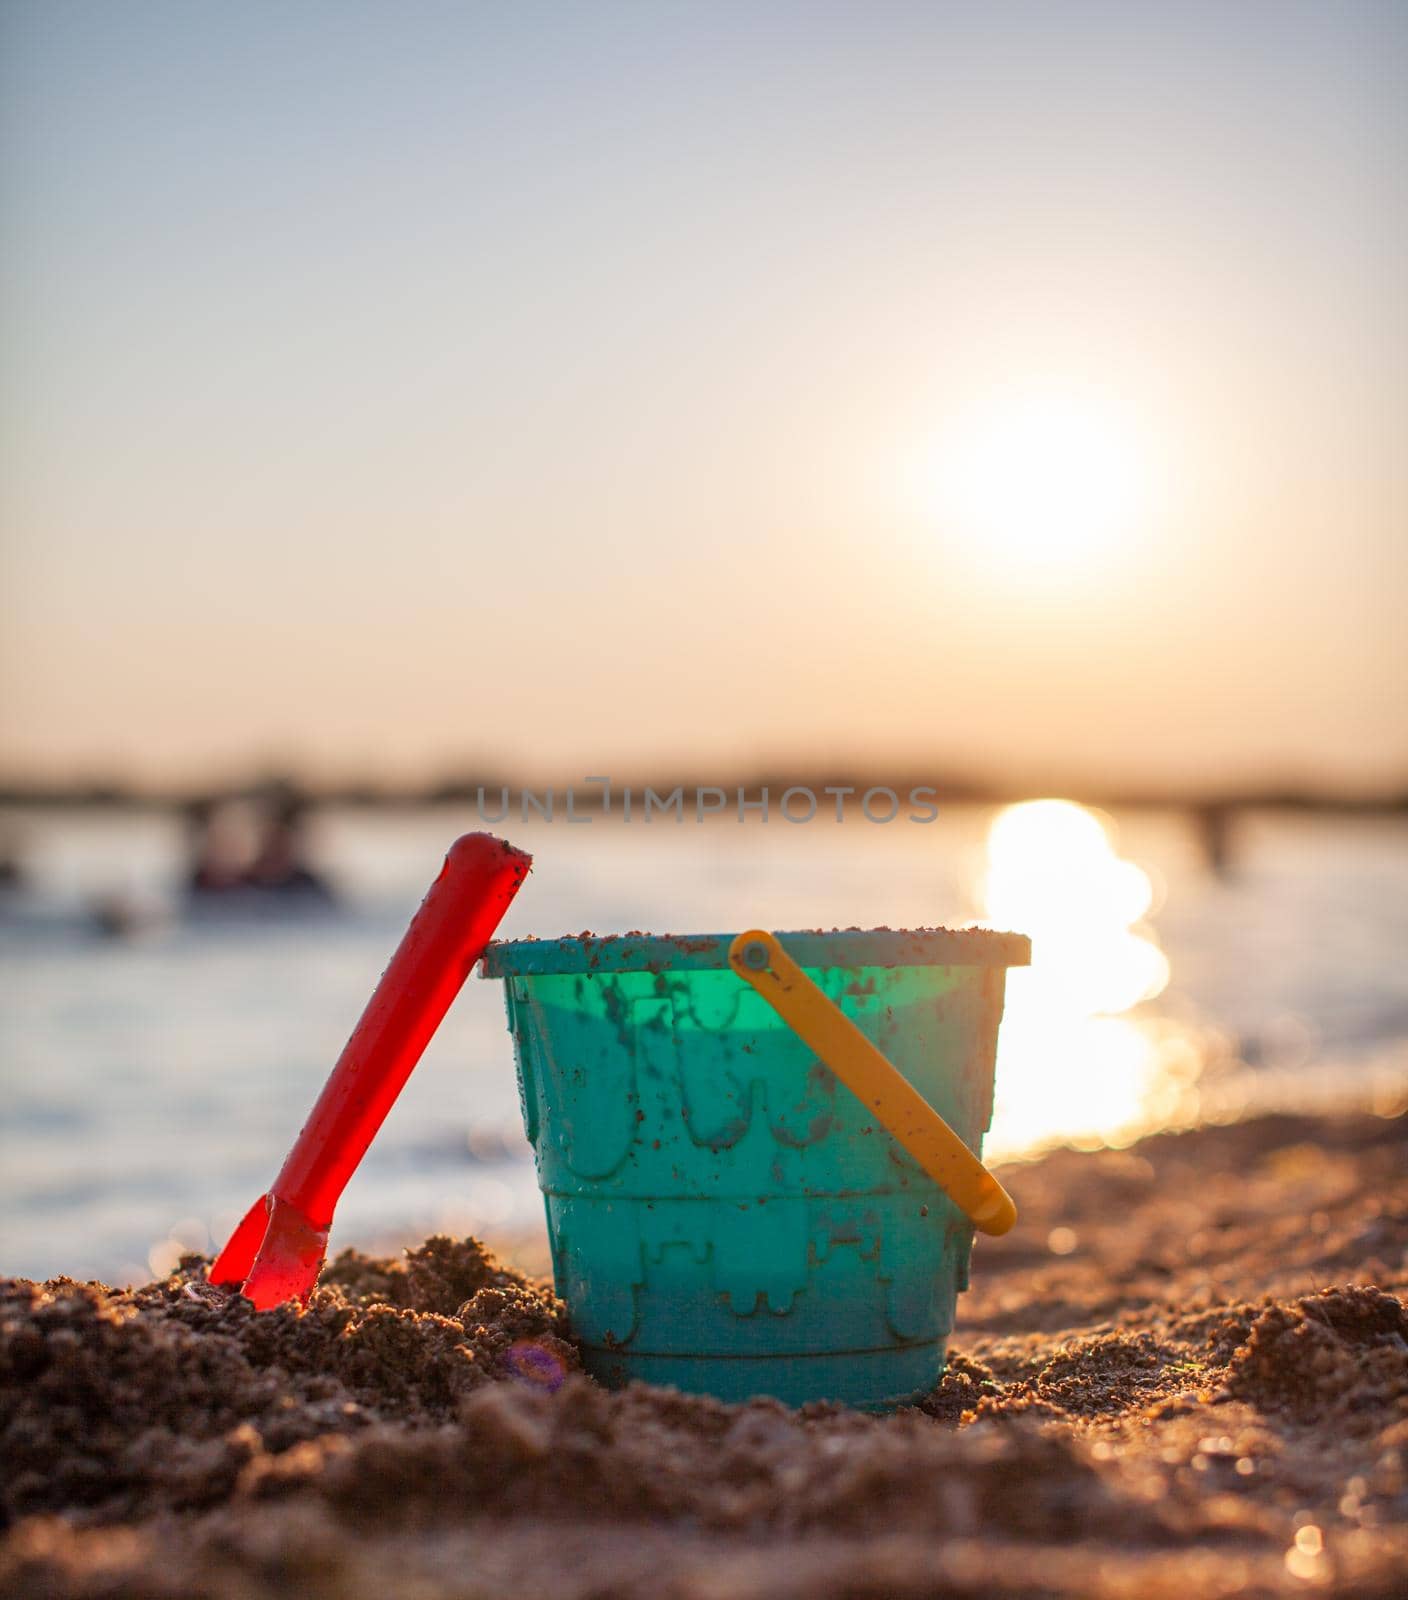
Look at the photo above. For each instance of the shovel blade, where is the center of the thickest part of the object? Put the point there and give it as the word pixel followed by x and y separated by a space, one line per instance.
pixel 232 1266
pixel 289 1260
pixel 274 1255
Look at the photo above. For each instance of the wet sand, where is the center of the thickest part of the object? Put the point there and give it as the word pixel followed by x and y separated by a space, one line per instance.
pixel 1184 1375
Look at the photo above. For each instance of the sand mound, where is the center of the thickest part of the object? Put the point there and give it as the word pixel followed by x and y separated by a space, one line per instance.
pixel 1344 1351
pixel 125 1404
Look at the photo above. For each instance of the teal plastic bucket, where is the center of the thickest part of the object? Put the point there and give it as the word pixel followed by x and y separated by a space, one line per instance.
pixel 724 1215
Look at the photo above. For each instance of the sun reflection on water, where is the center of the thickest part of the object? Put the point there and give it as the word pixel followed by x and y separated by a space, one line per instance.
pixel 1074 1065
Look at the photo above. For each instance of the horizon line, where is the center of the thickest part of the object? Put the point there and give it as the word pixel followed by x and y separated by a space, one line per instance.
pixel 953 788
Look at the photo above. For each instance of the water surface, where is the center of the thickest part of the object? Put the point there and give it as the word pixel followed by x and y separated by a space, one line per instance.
pixel 151 1085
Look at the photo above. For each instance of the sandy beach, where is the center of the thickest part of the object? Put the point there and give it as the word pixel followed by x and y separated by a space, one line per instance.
pixel 1185 1374
pixel 645 639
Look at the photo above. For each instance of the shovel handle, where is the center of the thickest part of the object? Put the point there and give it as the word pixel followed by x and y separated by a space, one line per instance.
pixel 446 937
pixel 759 959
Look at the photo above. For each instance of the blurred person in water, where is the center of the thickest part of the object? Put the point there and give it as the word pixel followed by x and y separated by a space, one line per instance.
pixel 215 849
pixel 224 861
pixel 281 860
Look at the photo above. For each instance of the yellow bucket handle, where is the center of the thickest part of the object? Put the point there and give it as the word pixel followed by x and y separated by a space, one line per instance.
pixel 760 960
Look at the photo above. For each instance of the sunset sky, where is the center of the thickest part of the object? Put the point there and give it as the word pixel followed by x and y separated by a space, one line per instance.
pixel 587 387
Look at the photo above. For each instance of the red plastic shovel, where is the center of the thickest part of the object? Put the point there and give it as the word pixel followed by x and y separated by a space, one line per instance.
pixel 277 1252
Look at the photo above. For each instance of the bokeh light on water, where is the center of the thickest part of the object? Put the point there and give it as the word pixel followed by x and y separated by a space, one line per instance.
pixel 1076 1062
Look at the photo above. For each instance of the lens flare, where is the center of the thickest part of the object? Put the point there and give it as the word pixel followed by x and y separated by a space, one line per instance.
pixel 1072 1066
pixel 531 1362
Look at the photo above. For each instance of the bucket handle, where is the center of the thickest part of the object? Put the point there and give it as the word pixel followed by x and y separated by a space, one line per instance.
pixel 760 960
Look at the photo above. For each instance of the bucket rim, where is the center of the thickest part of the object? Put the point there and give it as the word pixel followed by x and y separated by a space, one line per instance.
pixel 593 953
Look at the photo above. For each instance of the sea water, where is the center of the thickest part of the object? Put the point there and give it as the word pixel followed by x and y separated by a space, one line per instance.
pixel 151 1084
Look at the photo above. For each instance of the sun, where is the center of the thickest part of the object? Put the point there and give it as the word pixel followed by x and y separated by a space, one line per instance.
pixel 1046 476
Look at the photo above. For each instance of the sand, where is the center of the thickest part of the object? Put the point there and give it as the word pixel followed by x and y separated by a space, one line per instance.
pixel 1185 1375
